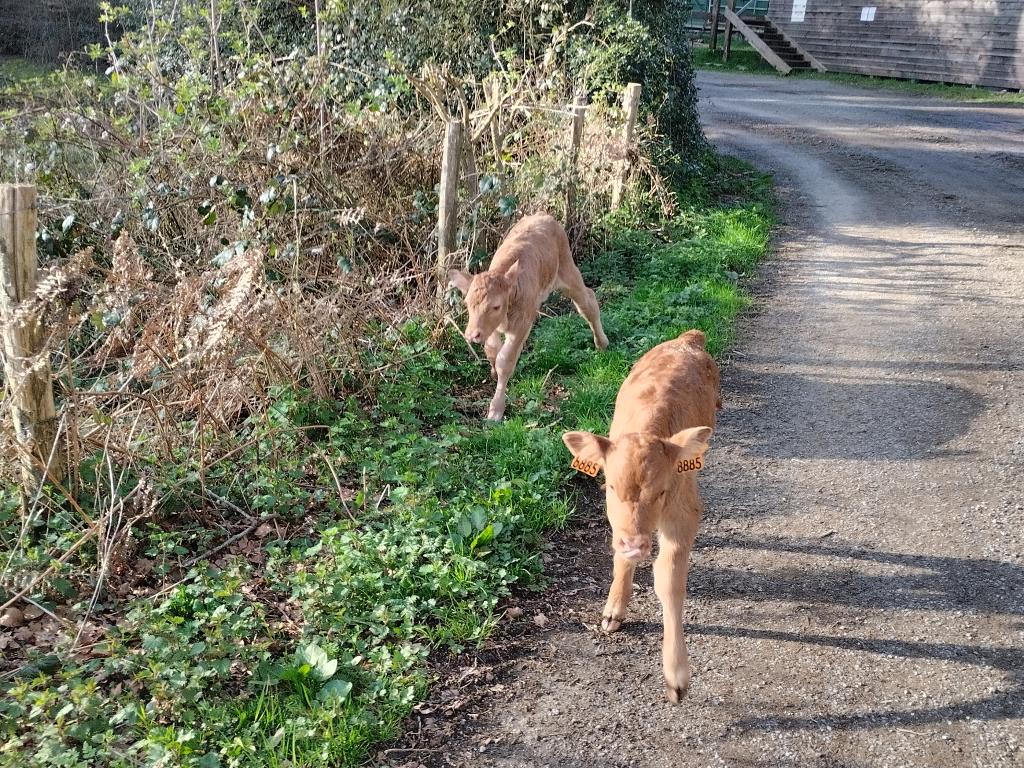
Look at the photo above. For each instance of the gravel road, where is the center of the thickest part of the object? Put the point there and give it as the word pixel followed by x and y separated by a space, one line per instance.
pixel 857 592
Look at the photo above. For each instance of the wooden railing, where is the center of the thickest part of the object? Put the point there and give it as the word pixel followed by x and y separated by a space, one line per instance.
pixel 756 42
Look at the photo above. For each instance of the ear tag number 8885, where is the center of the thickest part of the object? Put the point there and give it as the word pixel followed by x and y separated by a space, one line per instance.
pixel 689 465
pixel 586 467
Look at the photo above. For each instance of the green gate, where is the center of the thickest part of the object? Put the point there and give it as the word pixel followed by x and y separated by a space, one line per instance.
pixel 743 8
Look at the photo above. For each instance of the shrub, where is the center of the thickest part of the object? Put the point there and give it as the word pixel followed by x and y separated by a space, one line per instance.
pixel 651 50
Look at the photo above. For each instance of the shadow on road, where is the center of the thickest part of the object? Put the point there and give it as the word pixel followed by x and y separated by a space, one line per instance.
pixel 1001 705
pixel 923 582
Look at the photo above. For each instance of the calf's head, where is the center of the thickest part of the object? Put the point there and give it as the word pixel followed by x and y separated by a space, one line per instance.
pixel 643 473
pixel 487 296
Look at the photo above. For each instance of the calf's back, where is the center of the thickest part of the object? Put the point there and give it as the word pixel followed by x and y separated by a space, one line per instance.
pixel 674 386
pixel 535 245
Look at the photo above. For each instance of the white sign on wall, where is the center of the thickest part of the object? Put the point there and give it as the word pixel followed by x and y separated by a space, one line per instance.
pixel 867 13
pixel 799 8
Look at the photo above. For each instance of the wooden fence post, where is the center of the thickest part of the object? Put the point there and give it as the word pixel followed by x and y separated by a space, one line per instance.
pixel 579 112
pixel 727 40
pixel 447 206
pixel 28 375
pixel 714 25
pixel 630 105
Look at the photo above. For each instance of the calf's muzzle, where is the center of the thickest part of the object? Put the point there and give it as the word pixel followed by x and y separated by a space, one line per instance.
pixel 633 548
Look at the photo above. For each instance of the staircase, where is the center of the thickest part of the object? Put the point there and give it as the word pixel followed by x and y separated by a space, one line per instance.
pixel 774 47
pixel 780 46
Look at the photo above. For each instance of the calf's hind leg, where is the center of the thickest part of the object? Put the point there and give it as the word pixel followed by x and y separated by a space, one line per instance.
pixel 572 285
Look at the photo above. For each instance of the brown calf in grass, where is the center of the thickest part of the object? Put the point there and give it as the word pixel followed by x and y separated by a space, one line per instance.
pixel 532 261
pixel 664 414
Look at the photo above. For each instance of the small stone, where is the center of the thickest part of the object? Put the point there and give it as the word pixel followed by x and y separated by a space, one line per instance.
pixel 12 618
pixel 540 619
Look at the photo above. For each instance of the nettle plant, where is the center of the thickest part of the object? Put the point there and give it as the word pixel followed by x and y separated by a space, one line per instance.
pixel 314 675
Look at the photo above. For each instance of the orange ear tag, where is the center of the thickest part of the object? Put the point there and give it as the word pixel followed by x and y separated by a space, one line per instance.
pixel 586 467
pixel 690 465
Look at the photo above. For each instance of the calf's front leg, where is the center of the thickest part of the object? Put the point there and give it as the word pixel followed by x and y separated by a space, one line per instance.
pixel 670 586
pixel 491 347
pixel 618 595
pixel 504 364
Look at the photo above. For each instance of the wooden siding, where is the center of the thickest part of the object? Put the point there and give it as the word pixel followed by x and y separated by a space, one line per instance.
pixel 975 42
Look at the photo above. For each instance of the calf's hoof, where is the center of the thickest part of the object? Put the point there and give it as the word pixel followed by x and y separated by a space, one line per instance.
pixel 601 343
pixel 495 414
pixel 677 683
pixel 611 624
pixel 675 695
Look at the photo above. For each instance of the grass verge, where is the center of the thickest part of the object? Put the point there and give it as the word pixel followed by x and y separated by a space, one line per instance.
pixel 381 529
pixel 15 69
pixel 948 91
pixel 743 58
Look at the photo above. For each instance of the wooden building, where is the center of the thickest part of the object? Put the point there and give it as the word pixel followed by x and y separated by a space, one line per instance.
pixel 975 42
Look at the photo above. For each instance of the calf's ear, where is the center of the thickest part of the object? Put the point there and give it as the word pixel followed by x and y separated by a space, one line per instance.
pixel 587 446
pixel 512 274
pixel 460 280
pixel 691 442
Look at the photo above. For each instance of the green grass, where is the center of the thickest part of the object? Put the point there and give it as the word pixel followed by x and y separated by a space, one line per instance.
pixel 743 58
pixel 15 69
pixel 935 90
pixel 409 521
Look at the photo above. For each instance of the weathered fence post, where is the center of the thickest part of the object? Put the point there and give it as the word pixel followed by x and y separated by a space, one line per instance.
pixel 28 375
pixel 447 206
pixel 579 112
pixel 630 105
pixel 714 25
pixel 727 41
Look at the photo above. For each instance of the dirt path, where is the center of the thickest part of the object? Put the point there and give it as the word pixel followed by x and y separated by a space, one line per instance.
pixel 857 595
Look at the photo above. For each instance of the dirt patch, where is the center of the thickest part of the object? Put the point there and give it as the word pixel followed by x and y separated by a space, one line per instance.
pixel 857 591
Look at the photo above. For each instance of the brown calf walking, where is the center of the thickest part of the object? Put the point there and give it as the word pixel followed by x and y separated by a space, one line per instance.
pixel 664 414
pixel 532 261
